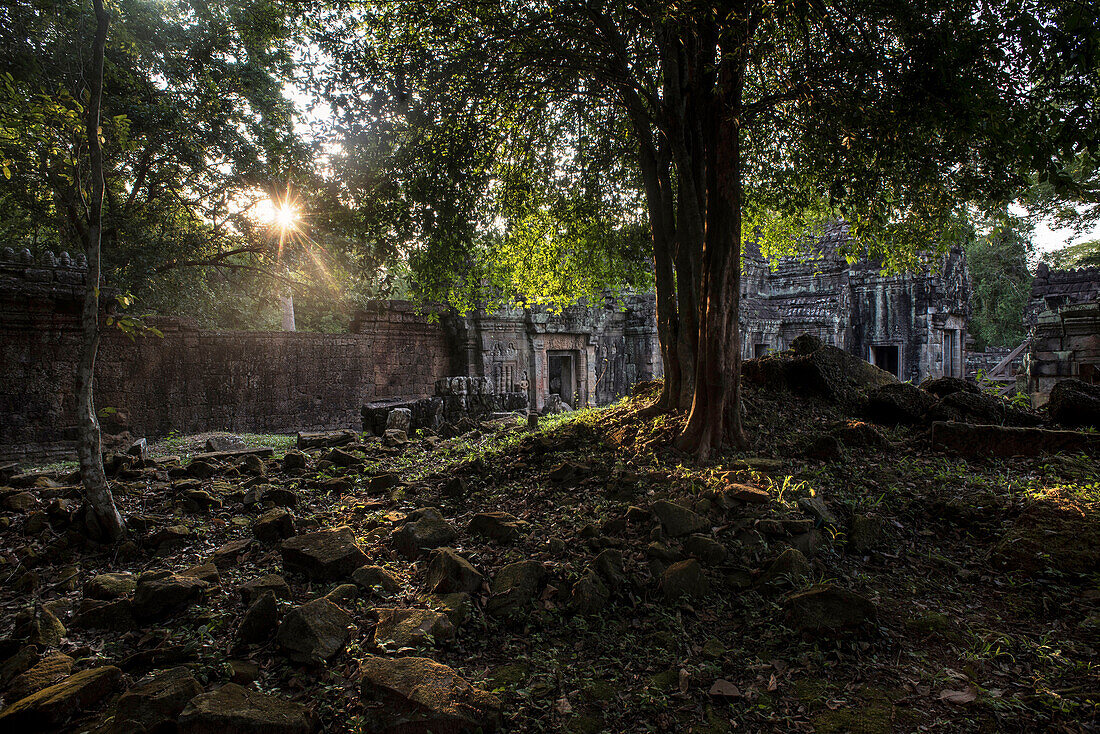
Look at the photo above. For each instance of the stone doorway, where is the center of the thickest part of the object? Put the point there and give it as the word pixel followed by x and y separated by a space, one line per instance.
pixel 563 375
pixel 887 357
pixel 952 353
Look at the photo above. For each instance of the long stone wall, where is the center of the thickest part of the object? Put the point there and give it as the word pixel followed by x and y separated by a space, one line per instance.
pixel 192 380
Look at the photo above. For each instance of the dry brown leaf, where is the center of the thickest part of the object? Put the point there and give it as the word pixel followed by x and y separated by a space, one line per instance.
pixel 960 697
pixel 685 680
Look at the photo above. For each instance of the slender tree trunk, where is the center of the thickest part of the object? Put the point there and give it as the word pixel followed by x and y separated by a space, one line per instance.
pixel 102 517
pixel 668 305
pixel 667 324
pixel 687 298
pixel 654 165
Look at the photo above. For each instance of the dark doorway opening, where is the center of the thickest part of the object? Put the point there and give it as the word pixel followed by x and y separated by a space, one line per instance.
pixel 562 375
pixel 1089 373
pixel 759 350
pixel 887 357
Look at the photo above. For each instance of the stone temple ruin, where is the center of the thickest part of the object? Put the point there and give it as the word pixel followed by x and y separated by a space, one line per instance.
pixel 912 325
pixel 524 359
pixel 1063 317
pixel 442 366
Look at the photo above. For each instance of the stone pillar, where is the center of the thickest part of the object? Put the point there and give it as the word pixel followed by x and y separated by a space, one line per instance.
pixel 588 397
pixel 287 303
pixel 540 378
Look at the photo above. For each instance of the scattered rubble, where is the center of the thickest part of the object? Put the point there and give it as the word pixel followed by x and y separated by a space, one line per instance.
pixel 584 580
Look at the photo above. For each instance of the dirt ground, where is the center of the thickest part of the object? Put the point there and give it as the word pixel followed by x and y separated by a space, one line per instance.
pixel 973 587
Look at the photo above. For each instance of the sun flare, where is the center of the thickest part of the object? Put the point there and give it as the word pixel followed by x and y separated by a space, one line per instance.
pixel 285 222
pixel 281 215
pixel 285 216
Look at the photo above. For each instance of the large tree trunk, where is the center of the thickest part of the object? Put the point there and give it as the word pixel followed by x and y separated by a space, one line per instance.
pixel 716 408
pixel 690 236
pixel 102 517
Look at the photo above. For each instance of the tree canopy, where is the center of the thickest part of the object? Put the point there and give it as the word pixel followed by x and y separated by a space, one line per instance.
pixel 491 152
pixel 1078 255
pixel 897 117
pixel 196 127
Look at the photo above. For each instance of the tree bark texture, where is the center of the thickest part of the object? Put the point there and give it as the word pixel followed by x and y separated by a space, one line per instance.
pixel 101 515
pixel 654 164
pixel 715 161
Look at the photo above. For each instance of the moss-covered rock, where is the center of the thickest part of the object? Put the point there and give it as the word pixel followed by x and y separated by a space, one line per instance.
pixel 499 526
pixel 423 531
pixel 159 594
pixel 589 595
pixel 233 709
pixel 790 565
pixel 155 704
pixel 398 628
pixel 51 707
pixel 825 608
pixel 685 578
pixel 109 586
pixel 449 572
pixel 376 577
pixel 677 520
pixel 515 588
pixel 47 671
pixel 325 555
pixel 419 695
pixel 314 632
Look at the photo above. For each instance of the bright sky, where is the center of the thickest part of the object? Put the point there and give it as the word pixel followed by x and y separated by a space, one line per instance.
pixel 1047 239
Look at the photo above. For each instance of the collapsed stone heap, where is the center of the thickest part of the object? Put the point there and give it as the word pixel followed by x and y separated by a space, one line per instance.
pixel 458 403
pixel 995 427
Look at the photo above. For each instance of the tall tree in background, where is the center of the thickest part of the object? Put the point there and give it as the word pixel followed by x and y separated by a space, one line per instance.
pixel 998 262
pixel 102 517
